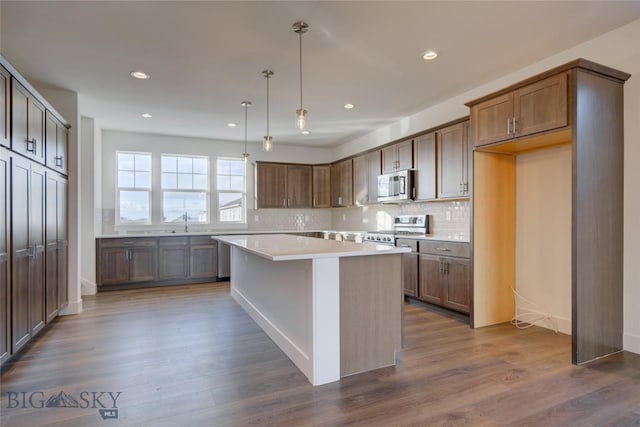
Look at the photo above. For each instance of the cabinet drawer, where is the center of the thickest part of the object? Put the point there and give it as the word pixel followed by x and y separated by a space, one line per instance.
pixel 444 248
pixel 203 240
pixel 173 241
pixel 123 242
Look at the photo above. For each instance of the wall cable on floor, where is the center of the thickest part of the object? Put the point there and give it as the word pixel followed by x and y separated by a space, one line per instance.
pixel 532 316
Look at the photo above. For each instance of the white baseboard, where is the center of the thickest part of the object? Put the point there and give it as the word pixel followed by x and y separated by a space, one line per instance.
pixel 88 288
pixel 295 353
pixel 631 343
pixel 74 307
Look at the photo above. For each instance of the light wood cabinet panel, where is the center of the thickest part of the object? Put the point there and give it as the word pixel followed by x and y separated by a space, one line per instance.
pixel 410 274
pixel 56 141
pixel 299 186
pixel 425 163
pixel 27 113
pixel 5 80
pixel 397 157
pixel 322 186
pixel 342 183
pixel 5 271
pixel 366 169
pixel 539 107
pixel 452 149
pixel 271 181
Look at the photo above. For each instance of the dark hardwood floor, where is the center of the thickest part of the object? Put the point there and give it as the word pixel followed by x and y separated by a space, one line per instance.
pixel 190 356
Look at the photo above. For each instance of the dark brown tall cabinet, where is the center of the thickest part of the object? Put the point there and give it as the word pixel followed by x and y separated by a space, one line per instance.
pixel 5 271
pixel 56 244
pixel 33 214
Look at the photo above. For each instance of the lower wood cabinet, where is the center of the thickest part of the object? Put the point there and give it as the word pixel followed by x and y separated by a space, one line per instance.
pixel 5 271
pixel 161 260
pixel 204 257
pixel 173 258
pixel 445 279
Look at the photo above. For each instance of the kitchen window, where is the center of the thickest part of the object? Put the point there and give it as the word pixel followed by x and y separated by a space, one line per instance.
pixel 134 188
pixel 231 189
pixel 185 189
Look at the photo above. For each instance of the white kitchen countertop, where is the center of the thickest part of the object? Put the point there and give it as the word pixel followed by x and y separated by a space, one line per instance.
pixel 199 233
pixel 285 247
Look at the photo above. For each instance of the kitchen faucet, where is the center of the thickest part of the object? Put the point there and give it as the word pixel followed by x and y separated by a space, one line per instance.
pixel 186 222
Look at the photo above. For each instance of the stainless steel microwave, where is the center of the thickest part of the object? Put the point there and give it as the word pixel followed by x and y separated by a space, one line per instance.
pixel 396 186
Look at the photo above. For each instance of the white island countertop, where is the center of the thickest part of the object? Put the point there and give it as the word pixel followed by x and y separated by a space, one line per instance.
pixel 286 247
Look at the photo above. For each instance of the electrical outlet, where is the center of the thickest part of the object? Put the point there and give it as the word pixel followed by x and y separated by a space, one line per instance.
pixel 256 218
pixel 344 217
pixel 448 215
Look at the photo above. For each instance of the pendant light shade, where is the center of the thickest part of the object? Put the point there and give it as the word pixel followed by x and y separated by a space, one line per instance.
pixel 300 28
pixel 246 105
pixel 267 142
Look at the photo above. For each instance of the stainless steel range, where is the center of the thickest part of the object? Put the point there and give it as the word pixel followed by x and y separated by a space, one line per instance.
pixel 403 225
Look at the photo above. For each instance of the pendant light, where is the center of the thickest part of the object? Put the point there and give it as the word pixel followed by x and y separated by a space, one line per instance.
pixel 301 27
pixel 246 105
pixel 267 143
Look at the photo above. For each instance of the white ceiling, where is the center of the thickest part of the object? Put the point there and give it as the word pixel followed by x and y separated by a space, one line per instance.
pixel 206 57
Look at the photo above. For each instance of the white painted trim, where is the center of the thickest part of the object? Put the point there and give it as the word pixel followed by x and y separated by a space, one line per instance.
pixel 326 320
pixel 88 288
pixel 72 308
pixel 631 343
pixel 295 353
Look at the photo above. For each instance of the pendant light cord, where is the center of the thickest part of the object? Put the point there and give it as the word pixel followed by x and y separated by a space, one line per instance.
pixel 268 76
pixel 300 38
pixel 246 106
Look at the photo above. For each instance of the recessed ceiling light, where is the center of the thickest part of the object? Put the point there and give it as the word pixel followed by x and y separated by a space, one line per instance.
pixel 146 115
pixel 430 54
pixel 232 125
pixel 306 132
pixel 140 75
pixel 349 106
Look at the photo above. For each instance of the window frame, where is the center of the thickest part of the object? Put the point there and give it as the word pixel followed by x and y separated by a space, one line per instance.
pixel 243 192
pixel 206 191
pixel 148 190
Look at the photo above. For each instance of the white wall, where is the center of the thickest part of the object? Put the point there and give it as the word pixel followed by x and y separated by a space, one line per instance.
pixel 618 49
pixel 113 141
pixel 543 237
pixel 66 103
pixel 87 210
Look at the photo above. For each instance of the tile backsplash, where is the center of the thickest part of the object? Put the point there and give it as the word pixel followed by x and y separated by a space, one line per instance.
pixel 449 219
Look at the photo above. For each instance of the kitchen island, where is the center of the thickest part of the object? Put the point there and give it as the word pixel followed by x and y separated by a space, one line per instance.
pixel 334 307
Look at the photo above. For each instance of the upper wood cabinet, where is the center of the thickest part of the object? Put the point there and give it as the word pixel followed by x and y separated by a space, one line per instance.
pixel 5 79
pixel 453 161
pixel 425 165
pixel 280 185
pixel 538 107
pixel 299 186
pixel 322 186
pixel 56 144
pixel 27 123
pixel 271 181
pixel 397 157
pixel 342 183
pixel 366 169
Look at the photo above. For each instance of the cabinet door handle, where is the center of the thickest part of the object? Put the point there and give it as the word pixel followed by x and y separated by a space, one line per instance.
pixel 58 160
pixel 509 126
pixel 515 126
pixel 31 145
pixel 340 200
pixel 445 266
pixel 284 203
pixel 441 267
pixel 443 249
pixel 314 201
